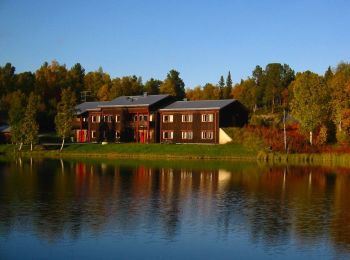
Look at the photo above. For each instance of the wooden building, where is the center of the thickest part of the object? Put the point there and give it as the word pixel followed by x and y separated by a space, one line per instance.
pixel 200 121
pixel 124 119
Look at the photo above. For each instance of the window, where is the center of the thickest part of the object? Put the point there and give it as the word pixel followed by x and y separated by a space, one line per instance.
pixel 117 135
pixel 93 134
pixel 187 134
pixel 117 118
pixel 207 135
pixel 168 118
pixel 145 117
pixel 187 118
pixel 150 118
pixel 207 118
pixel 84 119
pixel 107 118
pixel 95 119
pixel 168 134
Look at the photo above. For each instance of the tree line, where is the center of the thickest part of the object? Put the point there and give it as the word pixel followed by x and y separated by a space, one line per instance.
pixel 48 82
pixel 320 103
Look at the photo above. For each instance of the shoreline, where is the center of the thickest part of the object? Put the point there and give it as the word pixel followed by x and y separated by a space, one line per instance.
pixel 189 152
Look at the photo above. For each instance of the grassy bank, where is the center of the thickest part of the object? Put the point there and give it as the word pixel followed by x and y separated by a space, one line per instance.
pixel 167 151
pixel 172 151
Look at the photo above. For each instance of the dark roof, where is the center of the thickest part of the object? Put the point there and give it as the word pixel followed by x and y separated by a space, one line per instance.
pixel 5 129
pixel 199 105
pixel 131 101
pixel 83 107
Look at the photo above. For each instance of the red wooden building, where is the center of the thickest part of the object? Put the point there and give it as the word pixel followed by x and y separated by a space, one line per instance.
pixel 124 119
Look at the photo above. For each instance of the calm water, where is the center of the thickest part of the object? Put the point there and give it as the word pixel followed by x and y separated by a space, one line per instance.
pixel 54 209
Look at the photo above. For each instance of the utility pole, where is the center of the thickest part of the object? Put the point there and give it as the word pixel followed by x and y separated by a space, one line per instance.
pixel 284 130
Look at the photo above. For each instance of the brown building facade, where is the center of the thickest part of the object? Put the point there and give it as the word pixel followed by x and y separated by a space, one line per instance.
pixel 200 121
pixel 157 118
pixel 124 119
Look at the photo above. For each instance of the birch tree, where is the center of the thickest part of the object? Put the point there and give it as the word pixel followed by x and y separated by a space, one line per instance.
pixel 310 104
pixel 65 114
pixel 16 115
pixel 30 124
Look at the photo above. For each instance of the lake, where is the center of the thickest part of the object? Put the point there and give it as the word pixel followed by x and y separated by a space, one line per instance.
pixel 129 209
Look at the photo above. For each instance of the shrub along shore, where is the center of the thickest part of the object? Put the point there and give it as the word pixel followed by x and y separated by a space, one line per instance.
pixel 235 152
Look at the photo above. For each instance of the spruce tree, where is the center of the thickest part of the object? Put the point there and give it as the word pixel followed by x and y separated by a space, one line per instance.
pixel 221 86
pixel 228 87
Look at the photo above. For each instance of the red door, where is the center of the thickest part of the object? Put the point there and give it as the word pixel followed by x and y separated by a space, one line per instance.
pixel 142 137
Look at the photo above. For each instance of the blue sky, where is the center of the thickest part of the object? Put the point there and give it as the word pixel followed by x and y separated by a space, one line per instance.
pixel 201 39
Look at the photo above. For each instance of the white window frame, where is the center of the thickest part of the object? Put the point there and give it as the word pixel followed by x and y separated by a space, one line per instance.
pixel 168 132
pixel 107 118
pixel 93 134
pixel 169 120
pixel 187 135
pixel 117 135
pixel 151 118
pixel 187 118
pixel 97 119
pixel 207 135
pixel 117 118
pixel 207 117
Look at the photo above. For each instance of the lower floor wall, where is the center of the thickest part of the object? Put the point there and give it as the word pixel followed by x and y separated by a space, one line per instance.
pixel 126 135
pixel 148 136
pixel 189 136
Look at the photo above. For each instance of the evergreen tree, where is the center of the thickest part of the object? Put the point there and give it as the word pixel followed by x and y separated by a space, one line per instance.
pixel 30 125
pixel 152 86
pixel 221 86
pixel 65 114
pixel 328 75
pixel 173 85
pixel 228 87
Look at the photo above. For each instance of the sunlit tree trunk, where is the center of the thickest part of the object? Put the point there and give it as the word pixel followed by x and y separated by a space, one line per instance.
pixel 62 144
pixel 311 137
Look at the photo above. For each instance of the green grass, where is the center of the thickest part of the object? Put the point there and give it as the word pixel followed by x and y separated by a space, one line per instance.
pixel 6 148
pixel 163 150
pixel 183 151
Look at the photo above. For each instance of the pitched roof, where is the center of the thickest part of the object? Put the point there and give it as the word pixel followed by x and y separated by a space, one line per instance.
pixel 131 101
pixel 83 107
pixel 199 105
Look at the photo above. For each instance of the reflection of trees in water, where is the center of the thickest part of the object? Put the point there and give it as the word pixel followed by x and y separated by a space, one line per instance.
pixel 273 205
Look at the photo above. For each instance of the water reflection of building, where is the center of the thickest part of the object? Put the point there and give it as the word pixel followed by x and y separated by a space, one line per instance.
pixel 270 204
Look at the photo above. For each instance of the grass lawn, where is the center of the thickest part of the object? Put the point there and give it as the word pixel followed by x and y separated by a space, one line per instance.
pixel 188 151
